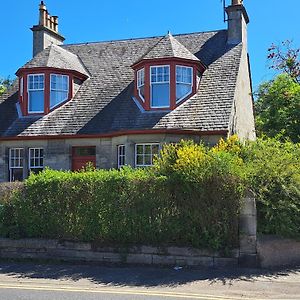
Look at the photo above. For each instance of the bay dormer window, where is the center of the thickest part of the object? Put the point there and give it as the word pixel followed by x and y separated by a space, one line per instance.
pixel 160 86
pixel 41 90
pixel 36 85
pixel 59 89
pixel 164 84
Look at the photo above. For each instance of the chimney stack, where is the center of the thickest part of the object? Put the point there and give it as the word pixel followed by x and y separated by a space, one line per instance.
pixel 237 23
pixel 46 32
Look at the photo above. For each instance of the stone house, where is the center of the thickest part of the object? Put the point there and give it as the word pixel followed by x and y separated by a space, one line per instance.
pixel 117 102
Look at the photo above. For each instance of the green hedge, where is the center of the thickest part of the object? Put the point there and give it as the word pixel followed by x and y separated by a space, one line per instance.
pixel 191 197
pixel 130 207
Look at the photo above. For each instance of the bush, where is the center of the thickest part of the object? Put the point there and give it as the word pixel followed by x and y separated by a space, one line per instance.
pixel 8 192
pixel 273 172
pixel 129 207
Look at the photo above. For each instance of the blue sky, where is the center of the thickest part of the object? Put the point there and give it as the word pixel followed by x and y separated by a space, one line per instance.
pixel 98 20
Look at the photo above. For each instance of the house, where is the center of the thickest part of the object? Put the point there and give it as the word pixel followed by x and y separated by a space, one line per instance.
pixel 117 102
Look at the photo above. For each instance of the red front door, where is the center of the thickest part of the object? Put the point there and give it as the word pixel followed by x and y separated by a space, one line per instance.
pixel 81 156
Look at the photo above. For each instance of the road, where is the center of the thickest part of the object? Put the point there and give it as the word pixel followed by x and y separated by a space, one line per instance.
pixel 29 281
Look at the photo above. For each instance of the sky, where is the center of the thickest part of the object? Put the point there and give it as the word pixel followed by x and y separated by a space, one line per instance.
pixel 271 21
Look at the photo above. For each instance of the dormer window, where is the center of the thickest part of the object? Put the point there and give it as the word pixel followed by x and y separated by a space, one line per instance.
pixel 42 90
pixel 36 83
pixel 160 86
pixel 184 82
pixel 166 75
pixel 59 89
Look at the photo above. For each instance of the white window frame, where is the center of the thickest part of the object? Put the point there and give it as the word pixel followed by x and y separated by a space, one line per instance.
pixel 28 90
pixel 136 154
pixel 19 158
pixel 121 156
pixel 160 82
pixel 35 157
pixel 59 90
pixel 141 82
pixel 179 82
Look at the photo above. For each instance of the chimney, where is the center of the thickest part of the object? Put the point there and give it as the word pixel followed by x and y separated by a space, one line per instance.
pixel 237 23
pixel 46 32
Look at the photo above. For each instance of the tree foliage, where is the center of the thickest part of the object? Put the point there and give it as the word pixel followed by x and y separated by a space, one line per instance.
pixel 5 84
pixel 278 108
pixel 285 58
pixel 278 103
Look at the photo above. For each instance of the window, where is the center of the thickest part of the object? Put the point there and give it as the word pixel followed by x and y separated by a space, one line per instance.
pixel 36 159
pixel 16 162
pixel 160 86
pixel 144 154
pixel 21 87
pixel 121 156
pixel 141 83
pixel 59 89
pixel 184 79
pixel 84 151
pixel 36 93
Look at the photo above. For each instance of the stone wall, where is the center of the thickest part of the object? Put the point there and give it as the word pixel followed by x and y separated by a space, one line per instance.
pixel 87 252
pixel 274 251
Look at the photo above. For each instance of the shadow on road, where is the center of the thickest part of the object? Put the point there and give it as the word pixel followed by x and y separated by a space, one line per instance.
pixel 138 276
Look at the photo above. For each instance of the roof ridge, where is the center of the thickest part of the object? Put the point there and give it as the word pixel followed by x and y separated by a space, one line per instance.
pixel 141 38
pixel 171 38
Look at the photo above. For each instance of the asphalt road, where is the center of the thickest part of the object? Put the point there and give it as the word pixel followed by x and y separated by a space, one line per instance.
pixel 29 281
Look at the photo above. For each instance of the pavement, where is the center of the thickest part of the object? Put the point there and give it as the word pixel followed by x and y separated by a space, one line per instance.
pixel 32 281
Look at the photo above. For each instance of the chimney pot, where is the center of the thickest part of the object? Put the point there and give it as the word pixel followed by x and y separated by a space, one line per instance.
pixel 237 2
pixel 46 32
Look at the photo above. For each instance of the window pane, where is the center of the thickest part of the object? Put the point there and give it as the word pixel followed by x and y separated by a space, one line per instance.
pixel 155 149
pixel 36 170
pixel 147 149
pixel 160 96
pixel 148 160
pixel 182 90
pixel 85 151
pixel 139 149
pixel 139 160
pixel 36 101
pixel 16 174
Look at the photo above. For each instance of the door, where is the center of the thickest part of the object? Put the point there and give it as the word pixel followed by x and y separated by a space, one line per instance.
pixel 81 156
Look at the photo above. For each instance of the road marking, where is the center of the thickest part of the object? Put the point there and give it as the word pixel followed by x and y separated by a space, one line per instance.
pixel 122 292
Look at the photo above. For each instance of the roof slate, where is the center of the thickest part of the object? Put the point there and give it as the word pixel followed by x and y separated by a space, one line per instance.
pixel 169 47
pixel 57 57
pixel 104 102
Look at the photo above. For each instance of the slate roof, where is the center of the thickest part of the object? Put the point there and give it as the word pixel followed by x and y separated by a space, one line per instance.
pixel 169 47
pixel 57 57
pixel 104 102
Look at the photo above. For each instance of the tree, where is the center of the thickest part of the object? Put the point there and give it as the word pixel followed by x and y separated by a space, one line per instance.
pixel 278 108
pixel 278 104
pixel 5 84
pixel 285 58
